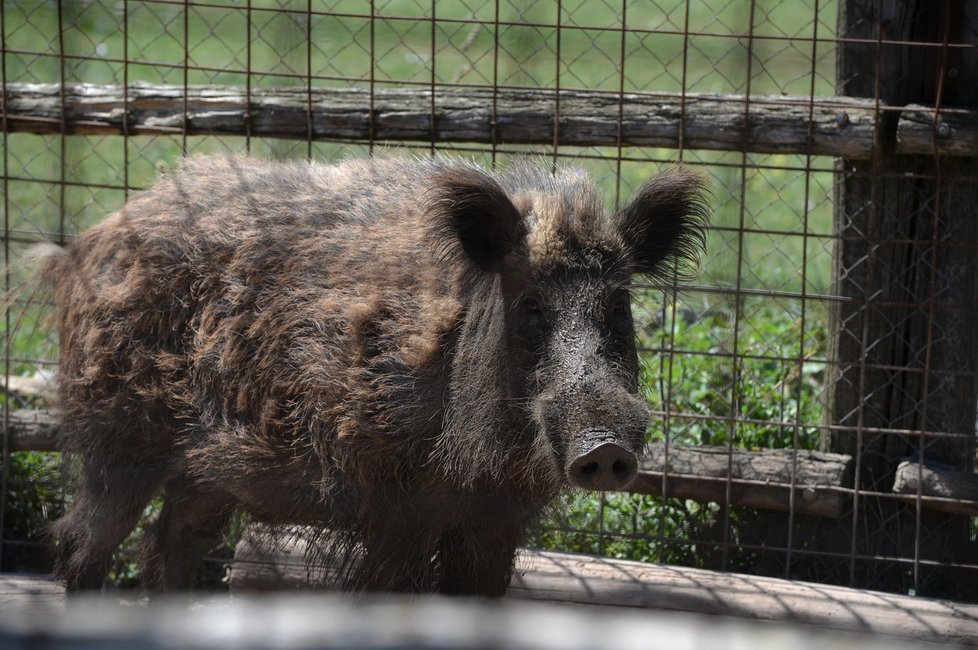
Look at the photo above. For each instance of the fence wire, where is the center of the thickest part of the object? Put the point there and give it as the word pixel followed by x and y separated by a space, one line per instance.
pixel 832 312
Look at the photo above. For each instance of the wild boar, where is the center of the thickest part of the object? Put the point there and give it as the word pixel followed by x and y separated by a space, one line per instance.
pixel 418 352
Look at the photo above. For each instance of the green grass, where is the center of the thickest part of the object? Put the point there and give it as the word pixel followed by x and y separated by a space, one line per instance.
pixel 771 221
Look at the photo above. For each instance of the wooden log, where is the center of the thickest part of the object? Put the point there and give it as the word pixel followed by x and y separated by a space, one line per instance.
pixel 568 578
pixel 957 491
pixel 33 430
pixel 760 479
pixel 561 577
pixel 837 127
pixel 30 592
pixel 809 468
pixel 953 133
pixel 36 387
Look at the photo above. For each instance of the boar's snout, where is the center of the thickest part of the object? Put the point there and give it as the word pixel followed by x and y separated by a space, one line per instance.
pixel 605 465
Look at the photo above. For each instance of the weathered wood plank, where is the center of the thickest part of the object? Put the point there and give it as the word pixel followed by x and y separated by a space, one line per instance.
pixel 33 430
pixel 955 132
pixel 836 126
pixel 36 387
pixel 809 468
pixel 562 577
pixel 958 490
pixel 759 479
pixel 28 592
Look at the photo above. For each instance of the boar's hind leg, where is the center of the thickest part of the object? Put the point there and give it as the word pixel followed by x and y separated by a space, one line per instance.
pixel 192 522
pixel 477 561
pixel 106 508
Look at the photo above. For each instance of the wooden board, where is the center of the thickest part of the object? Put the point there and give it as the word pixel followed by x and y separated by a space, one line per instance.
pixel 583 579
pixel 807 482
pixel 33 430
pixel 956 491
pixel 30 592
pixel 829 126
pixel 580 579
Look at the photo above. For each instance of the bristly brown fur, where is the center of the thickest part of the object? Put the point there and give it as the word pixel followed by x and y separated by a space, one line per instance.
pixel 350 347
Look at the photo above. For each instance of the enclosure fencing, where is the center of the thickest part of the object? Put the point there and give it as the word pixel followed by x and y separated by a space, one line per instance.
pixel 814 388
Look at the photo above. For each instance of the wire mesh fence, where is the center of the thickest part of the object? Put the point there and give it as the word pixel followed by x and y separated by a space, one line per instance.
pixel 832 312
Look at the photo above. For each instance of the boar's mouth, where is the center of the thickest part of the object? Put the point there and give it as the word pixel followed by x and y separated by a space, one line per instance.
pixel 602 463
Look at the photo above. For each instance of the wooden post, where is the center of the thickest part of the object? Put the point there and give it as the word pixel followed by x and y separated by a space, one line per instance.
pixel 906 261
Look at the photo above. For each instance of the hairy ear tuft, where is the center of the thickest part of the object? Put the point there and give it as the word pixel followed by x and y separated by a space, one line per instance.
pixel 471 219
pixel 664 226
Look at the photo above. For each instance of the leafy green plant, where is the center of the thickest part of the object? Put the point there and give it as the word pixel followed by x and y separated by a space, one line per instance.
pixel 33 500
pixel 33 494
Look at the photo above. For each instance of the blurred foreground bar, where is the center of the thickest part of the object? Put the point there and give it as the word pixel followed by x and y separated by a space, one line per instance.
pixel 331 621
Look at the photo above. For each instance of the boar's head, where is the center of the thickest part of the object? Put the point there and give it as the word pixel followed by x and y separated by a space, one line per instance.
pixel 548 347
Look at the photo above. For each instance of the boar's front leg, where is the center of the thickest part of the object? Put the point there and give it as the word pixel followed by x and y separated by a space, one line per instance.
pixel 479 561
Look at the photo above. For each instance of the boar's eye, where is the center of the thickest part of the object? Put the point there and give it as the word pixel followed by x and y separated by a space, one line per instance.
pixel 533 311
pixel 532 306
pixel 620 313
pixel 532 318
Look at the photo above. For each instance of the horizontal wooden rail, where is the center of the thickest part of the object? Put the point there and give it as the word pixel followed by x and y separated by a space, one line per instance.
pixel 835 126
pixel 33 430
pixel 952 132
pixel 807 482
pixel 955 491
pixel 759 479
pixel 832 126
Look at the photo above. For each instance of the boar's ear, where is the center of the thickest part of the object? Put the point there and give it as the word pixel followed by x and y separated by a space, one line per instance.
pixel 664 225
pixel 472 219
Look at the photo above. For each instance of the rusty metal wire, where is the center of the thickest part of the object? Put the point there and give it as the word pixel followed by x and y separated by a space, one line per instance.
pixel 830 312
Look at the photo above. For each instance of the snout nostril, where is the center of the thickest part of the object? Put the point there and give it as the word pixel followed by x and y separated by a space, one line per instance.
pixel 620 468
pixel 589 468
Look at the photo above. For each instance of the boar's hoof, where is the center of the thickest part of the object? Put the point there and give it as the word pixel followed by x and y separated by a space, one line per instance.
pixel 608 466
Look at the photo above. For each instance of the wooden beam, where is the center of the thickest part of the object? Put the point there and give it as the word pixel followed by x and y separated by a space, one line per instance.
pixel 563 577
pixel 836 126
pixel 952 132
pixel 33 430
pixel 587 580
pixel 30 593
pixel 953 490
pixel 759 479
pixel 36 387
